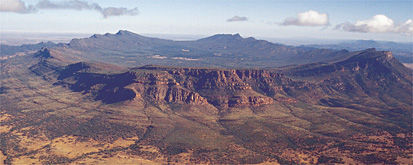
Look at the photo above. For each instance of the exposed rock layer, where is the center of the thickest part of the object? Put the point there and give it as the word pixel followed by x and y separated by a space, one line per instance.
pixel 364 73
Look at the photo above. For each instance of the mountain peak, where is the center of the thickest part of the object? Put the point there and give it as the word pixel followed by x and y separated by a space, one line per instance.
pixel 43 53
pixel 124 32
pixel 223 37
pixel 237 35
pixel 95 36
pixel 120 33
pixel 372 53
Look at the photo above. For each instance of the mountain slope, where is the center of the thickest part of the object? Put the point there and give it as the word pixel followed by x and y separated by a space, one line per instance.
pixel 122 40
pixel 402 51
pixel 365 76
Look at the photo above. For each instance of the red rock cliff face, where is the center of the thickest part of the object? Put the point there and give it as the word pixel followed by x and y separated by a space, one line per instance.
pixel 222 88
pixel 161 87
pixel 249 101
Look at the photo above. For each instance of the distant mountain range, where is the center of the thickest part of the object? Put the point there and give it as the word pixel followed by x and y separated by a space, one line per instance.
pixel 402 51
pixel 222 50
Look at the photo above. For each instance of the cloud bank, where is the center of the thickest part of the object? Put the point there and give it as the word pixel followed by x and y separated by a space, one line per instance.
pixel 237 18
pixel 19 6
pixel 71 4
pixel 377 24
pixel 308 18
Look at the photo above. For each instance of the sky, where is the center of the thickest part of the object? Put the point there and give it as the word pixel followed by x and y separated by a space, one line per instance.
pixel 313 19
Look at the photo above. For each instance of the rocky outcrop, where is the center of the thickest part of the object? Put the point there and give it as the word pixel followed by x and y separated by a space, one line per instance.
pixel 237 101
pixel 192 86
pixel 224 87
pixel 43 53
pixel 164 93
pixel 219 87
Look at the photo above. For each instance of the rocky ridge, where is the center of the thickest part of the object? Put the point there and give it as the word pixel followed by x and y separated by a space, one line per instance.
pixel 360 74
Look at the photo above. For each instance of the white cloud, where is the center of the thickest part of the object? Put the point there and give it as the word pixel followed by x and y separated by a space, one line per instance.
pixel 113 11
pixel 184 58
pixel 158 57
pixel 237 18
pixel 308 18
pixel 69 4
pixel 19 6
pixel 377 24
pixel 16 6
pixel 406 27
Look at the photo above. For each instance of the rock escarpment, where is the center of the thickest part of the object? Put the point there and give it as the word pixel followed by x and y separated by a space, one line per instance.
pixel 220 87
pixel 161 87
pixel 365 73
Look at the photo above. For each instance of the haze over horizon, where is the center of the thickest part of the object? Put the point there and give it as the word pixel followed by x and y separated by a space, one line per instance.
pixel 332 20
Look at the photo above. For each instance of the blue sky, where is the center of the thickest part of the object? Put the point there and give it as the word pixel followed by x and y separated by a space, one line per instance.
pixel 319 19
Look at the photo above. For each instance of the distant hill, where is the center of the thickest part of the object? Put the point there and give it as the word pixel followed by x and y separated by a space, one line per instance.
pixel 402 51
pixel 222 50
pixel 7 50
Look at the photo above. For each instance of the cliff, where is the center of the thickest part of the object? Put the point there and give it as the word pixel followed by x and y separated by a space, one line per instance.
pixel 368 73
pixel 222 88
